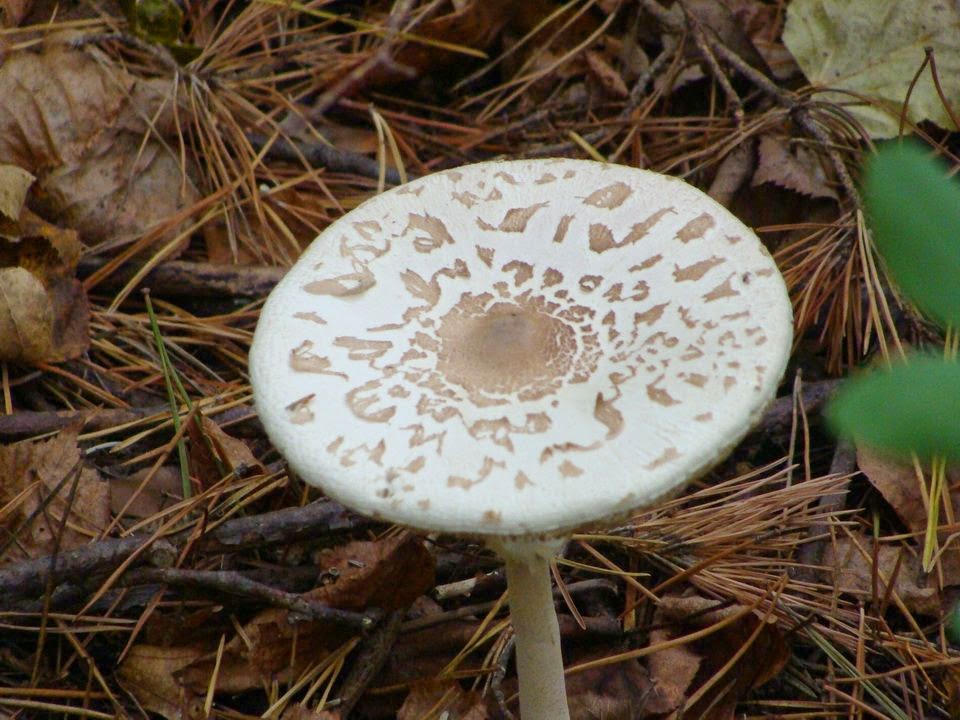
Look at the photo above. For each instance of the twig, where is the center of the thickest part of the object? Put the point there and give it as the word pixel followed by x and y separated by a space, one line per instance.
pixel 234 583
pixel 636 95
pixel 700 40
pixel 373 654
pixel 779 416
pixel 320 155
pixel 810 553
pixel 191 279
pixel 797 109
pixel 383 57
pixel 298 524
pixel 30 423
pixel 582 586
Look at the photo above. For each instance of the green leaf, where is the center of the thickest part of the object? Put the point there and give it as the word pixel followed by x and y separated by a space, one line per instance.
pixel 951 624
pixel 911 408
pixel 914 211
pixel 873 49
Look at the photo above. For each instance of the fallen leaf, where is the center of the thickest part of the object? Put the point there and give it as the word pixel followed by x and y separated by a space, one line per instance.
pixel 35 495
pixel 609 79
pixel 850 560
pixel 14 184
pixel 873 48
pixel 85 128
pixel 26 318
pixel 672 671
pixel 897 482
pixel 214 454
pixel 795 169
pixel 12 12
pixel 717 16
pixel 387 574
pixel 474 25
pixel 763 24
pixel 678 676
pixel 164 489
pixel 120 189
pixel 612 692
pixel 46 250
pixel 148 674
pixel 444 699
pixel 44 314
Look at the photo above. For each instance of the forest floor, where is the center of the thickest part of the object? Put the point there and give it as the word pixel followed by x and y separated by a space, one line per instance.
pixel 158 174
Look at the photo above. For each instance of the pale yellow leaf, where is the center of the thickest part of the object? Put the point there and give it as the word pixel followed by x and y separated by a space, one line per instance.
pixel 873 48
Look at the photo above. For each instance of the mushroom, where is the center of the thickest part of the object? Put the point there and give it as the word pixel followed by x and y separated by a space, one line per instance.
pixel 515 350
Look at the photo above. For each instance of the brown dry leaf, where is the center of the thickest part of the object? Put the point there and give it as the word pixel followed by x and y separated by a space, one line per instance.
pixel 717 16
pixel 148 674
pixel 472 24
pixel 53 104
pixel 763 24
pixel 12 12
pixel 214 453
pixel 48 251
pixel 733 172
pixel 609 78
pixel 798 170
pixel 850 560
pixel 14 184
pixel 897 482
pixel 37 478
pixel 298 711
pixel 44 314
pixel 121 189
pixel 673 671
pixel 78 124
pixel 444 699
pixel 420 655
pixel 26 318
pixel 164 489
pixel 387 574
pixel 611 692
pixel 351 138
pixel 300 212
pixel 763 660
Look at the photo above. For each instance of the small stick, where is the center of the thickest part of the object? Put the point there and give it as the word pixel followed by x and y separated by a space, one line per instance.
pixel 369 661
pixel 234 583
pixel 310 522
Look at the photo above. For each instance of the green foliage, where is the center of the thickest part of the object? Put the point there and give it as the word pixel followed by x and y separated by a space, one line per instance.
pixel 952 624
pixel 914 213
pixel 912 407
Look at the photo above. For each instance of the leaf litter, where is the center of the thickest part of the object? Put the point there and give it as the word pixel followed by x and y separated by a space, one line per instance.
pixel 226 142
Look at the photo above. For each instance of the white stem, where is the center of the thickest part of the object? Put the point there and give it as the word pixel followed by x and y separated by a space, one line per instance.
pixel 543 694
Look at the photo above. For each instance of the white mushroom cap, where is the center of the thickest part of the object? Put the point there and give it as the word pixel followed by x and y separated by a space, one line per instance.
pixel 520 348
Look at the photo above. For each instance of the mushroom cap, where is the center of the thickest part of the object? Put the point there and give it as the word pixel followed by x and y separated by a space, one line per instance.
pixel 520 348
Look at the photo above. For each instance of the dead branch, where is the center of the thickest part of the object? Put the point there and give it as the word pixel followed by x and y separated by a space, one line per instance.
pixel 228 582
pixel 30 423
pixel 191 279
pixel 373 654
pixel 320 155
pixel 290 525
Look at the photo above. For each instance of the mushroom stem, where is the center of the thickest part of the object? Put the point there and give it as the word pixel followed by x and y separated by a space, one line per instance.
pixel 543 693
